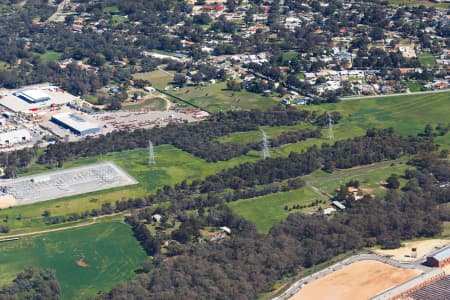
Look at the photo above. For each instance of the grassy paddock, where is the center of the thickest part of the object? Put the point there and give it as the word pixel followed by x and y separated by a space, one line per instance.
pixel 407 114
pixel 370 180
pixel 217 97
pixel 94 258
pixel 268 210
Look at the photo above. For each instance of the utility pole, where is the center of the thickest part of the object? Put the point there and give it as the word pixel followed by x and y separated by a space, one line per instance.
pixel 330 127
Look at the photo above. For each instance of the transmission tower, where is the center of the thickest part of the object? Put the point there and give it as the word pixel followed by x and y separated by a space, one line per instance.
pixel 265 144
pixel 330 127
pixel 151 154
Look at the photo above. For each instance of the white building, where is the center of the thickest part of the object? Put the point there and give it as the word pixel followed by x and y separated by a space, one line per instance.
pixel 14 137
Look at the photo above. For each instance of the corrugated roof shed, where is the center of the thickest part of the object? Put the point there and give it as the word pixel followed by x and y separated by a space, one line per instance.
pixel 442 254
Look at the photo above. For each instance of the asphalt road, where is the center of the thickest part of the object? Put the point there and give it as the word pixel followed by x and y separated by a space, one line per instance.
pixel 393 95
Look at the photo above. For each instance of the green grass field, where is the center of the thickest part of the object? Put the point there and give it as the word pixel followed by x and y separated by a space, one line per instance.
pixel 427 59
pixel 111 10
pixel 50 56
pixel 419 3
pixel 213 97
pixel 158 78
pixel 149 104
pixel 109 250
pixel 255 135
pixel 266 211
pixel 370 180
pixel 406 114
pixel 217 97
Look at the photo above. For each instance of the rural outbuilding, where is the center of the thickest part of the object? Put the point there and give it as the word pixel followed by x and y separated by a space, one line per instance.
pixel 440 258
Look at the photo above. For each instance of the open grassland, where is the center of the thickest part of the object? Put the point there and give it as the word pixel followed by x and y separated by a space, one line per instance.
pixel 159 78
pixel 156 103
pixel 371 181
pixel 419 3
pixel 407 114
pixel 427 59
pixel 172 166
pixel 217 97
pixel 266 211
pixel 255 135
pixel 93 258
pixel 50 56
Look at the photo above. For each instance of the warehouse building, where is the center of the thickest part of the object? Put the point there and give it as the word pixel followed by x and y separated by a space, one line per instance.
pixel 440 258
pixel 33 96
pixel 75 123
pixel 32 99
pixel 14 137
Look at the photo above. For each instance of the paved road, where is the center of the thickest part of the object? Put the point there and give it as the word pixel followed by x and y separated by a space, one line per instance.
pixel 393 95
pixel 294 288
pixel 58 11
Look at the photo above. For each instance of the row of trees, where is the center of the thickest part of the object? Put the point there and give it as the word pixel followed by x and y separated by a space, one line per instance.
pixel 32 284
pixel 249 263
pixel 195 138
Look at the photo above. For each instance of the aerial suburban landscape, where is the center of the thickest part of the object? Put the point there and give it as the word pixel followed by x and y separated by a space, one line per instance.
pixel 225 149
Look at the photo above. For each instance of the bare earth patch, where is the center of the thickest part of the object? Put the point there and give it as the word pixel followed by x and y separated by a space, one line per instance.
pixel 360 280
pixel 423 248
pixel 82 263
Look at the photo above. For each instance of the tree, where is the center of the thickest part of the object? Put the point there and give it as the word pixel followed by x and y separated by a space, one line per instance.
pixel 179 79
pixel 234 85
pixel 393 182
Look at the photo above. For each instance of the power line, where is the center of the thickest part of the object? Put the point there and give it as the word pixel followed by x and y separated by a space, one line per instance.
pixel 330 127
pixel 151 154
pixel 265 145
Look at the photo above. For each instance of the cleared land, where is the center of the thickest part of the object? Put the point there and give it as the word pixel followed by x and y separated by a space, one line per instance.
pixel 371 181
pixel 172 166
pixel 63 183
pixel 266 211
pixel 215 97
pixel 94 258
pixel 360 280
pixel 424 248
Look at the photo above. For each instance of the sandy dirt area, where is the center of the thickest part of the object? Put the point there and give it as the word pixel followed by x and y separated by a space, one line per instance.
pixel 360 280
pixel 7 201
pixel 423 248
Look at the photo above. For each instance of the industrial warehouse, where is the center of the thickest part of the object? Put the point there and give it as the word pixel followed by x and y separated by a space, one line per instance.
pixel 75 123
pixel 32 99
pixel 14 137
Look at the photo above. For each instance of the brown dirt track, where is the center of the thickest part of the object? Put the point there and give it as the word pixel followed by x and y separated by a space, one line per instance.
pixel 360 280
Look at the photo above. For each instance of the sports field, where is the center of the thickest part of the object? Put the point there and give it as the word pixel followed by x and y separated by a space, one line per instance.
pixel 93 259
pixel 360 280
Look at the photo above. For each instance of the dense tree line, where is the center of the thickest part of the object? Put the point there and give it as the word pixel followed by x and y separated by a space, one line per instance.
pixel 375 146
pixel 249 263
pixel 32 284
pixel 193 138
